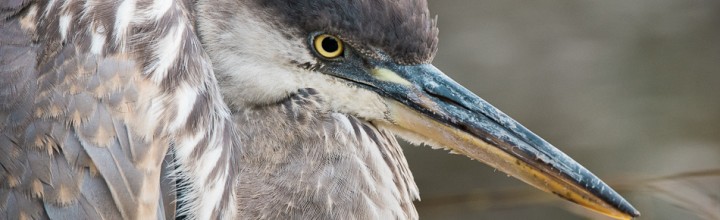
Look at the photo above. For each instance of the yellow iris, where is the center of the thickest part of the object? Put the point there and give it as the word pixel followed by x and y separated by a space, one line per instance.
pixel 328 46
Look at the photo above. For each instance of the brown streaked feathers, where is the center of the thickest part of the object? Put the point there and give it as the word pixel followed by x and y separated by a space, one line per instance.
pixel 89 108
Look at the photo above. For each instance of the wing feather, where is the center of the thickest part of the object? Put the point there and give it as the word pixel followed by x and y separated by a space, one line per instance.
pixel 78 210
pixel 91 102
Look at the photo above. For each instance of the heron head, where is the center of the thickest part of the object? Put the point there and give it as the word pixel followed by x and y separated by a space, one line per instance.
pixel 371 59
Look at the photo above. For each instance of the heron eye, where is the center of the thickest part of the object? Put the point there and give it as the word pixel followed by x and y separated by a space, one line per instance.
pixel 328 46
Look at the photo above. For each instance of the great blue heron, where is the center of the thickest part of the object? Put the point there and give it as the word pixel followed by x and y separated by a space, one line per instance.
pixel 108 108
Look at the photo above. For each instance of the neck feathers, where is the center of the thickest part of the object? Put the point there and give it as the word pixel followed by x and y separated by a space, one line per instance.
pixel 302 161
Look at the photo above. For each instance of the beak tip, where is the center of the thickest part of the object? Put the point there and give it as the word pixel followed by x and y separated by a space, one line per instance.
pixel 633 212
pixel 625 207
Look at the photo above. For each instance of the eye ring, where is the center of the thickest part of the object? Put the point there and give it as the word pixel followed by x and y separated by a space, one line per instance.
pixel 328 46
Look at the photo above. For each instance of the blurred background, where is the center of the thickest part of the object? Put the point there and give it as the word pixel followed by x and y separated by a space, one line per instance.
pixel 630 89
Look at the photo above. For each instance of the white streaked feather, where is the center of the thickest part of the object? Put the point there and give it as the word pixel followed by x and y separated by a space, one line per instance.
pixel 124 15
pixel 377 164
pixel 186 144
pixel 166 51
pixel 211 198
pixel 160 7
pixel 344 121
pixel 64 26
pixel 207 164
pixel 97 43
pixel 50 6
pixel 185 97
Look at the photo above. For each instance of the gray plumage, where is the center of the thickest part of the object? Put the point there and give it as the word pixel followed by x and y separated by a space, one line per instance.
pixel 112 110
pixel 90 108
pixel 304 162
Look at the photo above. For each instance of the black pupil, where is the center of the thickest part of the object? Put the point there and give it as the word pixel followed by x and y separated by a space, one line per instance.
pixel 330 45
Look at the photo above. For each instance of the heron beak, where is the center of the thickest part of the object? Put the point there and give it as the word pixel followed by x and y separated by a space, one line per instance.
pixel 425 103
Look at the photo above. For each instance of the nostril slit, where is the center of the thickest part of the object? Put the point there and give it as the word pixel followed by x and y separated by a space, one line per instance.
pixel 446 100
